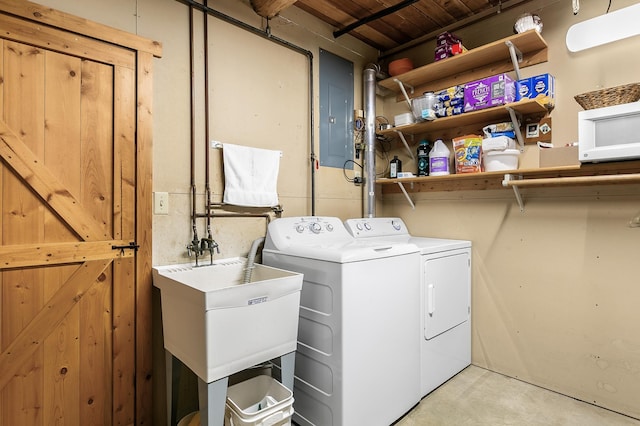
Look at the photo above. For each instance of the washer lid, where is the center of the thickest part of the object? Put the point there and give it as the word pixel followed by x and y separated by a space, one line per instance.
pixel 346 252
pixel 433 245
pixel 393 230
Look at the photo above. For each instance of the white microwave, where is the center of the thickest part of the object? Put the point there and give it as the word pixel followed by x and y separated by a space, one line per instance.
pixel 609 133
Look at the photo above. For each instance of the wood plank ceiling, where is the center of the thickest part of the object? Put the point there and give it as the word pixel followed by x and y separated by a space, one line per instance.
pixel 420 19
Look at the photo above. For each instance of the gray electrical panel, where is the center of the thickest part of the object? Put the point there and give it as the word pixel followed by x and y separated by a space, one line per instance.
pixel 336 110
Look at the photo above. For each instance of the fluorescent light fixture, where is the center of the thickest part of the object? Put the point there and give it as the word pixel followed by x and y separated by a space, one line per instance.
pixel 604 29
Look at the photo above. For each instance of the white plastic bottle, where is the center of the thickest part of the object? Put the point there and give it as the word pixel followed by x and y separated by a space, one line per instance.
pixel 439 159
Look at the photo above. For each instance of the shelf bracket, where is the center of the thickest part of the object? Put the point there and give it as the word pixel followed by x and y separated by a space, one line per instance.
pixel 406 145
pixel 516 126
pixel 516 191
pixel 404 191
pixel 404 91
pixel 516 57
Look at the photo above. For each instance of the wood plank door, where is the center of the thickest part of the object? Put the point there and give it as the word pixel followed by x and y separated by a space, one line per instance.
pixel 68 198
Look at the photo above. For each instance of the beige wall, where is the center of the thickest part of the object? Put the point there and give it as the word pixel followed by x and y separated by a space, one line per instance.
pixel 259 96
pixel 555 289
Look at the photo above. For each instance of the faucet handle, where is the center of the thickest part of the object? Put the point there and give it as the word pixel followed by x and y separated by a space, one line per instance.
pixel 211 245
pixel 194 248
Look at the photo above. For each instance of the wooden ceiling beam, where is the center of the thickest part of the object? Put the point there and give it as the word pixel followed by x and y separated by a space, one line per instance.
pixel 373 17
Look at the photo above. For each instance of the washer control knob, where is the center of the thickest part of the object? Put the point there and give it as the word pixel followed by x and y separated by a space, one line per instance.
pixel 367 226
pixel 300 229
pixel 396 225
pixel 359 226
pixel 315 227
pixel 329 227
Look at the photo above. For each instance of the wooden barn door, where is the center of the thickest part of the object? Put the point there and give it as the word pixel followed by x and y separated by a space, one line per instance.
pixel 68 199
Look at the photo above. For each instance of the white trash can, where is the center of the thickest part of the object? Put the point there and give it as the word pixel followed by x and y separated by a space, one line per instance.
pixel 259 401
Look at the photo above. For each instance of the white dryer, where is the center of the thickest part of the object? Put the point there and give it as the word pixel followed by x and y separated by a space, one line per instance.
pixel 445 315
pixel 357 354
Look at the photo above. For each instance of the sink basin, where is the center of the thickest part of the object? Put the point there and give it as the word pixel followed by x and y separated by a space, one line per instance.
pixel 218 326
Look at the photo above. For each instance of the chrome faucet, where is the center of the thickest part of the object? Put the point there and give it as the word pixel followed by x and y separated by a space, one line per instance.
pixel 210 245
pixel 193 248
pixel 199 247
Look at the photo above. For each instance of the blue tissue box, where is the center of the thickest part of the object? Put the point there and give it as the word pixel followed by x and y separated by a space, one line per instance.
pixel 539 85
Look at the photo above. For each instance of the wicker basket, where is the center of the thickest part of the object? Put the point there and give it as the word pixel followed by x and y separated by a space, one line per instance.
pixel 607 97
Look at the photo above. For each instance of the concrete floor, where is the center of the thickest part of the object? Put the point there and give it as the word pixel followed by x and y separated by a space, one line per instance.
pixel 477 397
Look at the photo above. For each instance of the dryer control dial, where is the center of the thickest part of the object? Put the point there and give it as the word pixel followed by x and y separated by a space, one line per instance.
pixel 315 227
pixel 367 226
pixel 300 229
pixel 329 227
pixel 396 225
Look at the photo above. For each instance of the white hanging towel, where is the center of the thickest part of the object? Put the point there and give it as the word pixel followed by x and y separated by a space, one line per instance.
pixel 250 176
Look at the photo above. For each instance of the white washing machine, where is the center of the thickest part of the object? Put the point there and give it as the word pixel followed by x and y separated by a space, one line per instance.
pixel 357 354
pixel 445 315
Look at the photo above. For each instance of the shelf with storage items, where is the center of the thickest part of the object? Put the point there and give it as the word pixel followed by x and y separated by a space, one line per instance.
pixel 618 172
pixel 489 59
pixel 508 54
pixel 473 119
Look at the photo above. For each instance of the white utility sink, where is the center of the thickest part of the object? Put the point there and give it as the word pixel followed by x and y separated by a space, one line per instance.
pixel 218 326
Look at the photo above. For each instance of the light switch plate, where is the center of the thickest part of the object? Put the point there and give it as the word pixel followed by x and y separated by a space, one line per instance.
pixel 161 203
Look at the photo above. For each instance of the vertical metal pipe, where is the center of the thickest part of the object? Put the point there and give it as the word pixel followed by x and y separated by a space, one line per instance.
pixel 193 127
pixel 369 90
pixel 207 150
pixel 311 136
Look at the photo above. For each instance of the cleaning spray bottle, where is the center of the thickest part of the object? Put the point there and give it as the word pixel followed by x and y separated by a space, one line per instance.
pixel 439 159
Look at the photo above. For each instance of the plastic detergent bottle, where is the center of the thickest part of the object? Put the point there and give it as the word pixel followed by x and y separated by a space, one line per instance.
pixel 423 158
pixel 395 167
pixel 439 159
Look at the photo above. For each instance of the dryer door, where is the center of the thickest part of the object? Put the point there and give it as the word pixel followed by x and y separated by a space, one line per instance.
pixel 447 288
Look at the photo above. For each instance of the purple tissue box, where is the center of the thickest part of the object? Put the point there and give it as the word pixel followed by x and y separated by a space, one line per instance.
pixel 441 52
pixel 447 38
pixel 489 92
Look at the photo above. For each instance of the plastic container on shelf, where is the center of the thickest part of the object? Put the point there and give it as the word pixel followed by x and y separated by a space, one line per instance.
pixel 495 161
pixel 422 107
pixel 439 159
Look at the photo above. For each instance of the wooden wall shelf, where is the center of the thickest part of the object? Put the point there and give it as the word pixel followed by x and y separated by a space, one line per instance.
pixel 494 180
pixel 505 55
pixel 525 107
pixel 489 59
